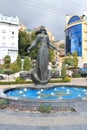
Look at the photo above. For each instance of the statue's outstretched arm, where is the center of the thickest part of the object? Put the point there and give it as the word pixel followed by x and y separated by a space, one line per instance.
pixel 51 46
pixel 33 45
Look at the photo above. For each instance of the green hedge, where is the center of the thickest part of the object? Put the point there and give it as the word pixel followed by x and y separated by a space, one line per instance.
pixel 22 81
pixel 66 79
pixel 15 82
pixel 76 75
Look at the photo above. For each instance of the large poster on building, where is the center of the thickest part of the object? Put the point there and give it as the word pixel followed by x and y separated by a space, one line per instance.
pixel 74 39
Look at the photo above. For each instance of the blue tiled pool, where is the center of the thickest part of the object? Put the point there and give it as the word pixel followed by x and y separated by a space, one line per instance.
pixel 55 93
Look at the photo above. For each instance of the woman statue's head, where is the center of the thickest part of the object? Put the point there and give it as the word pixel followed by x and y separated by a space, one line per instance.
pixel 42 30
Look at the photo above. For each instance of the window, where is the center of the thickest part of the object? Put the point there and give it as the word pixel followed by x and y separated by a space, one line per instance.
pixel 3 43
pixel 3 37
pixel 12 44
pixel 3 31
pixel 12 36
pixel 12 33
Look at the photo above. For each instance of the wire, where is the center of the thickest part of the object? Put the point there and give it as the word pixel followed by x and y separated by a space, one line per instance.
pixel 77 4
pixel 33 3
pixel 47 5
pixel 51 8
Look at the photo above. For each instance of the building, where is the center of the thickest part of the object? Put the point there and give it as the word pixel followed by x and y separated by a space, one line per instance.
pixel 76 37
pixel 22 27
pixel 59 55
pixel 51 35
pixel 8 37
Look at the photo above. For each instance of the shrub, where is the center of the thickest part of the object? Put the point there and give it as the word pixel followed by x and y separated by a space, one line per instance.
pixel 1 71
pixel 45 108
pixel 8 71
pixel 66 79
pixel 76 75
pixel 14 67
pixel 19 80
pixel 7 61
pixel 3 103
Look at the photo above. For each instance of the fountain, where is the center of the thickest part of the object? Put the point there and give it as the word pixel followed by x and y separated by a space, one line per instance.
pixel 41 92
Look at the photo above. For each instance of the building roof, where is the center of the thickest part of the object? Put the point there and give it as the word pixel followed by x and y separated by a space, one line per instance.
pixel 74 18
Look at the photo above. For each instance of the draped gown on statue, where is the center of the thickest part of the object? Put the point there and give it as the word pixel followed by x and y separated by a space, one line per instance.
pixel 41 74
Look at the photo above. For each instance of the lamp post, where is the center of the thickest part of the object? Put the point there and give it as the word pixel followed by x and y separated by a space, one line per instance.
pixel 22 59
pixel 67 69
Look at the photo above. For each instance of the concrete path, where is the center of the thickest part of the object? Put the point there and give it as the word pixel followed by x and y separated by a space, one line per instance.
pixel 10 120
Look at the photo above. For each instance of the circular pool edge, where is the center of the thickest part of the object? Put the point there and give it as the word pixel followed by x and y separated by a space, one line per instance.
pixel 35 103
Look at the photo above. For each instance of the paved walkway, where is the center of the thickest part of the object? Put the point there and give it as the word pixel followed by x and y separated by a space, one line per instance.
pixel 21 121
pixel 10 120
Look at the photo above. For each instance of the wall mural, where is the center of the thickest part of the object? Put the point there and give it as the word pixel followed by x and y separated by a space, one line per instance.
pixel 74 39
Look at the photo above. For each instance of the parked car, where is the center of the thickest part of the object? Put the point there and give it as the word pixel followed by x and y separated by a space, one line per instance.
pixel 55 74
pixel 3 76
pixel 25 75
pixel 83 72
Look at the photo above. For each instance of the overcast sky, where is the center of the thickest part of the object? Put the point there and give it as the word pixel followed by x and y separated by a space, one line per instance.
pixel 50 13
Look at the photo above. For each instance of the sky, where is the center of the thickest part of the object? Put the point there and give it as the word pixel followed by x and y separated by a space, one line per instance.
pixel 49 13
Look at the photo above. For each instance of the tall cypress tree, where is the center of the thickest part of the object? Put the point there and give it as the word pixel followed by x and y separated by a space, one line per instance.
pixel 63 71
pixel 75 60
pixel 18 61
pixel 26 65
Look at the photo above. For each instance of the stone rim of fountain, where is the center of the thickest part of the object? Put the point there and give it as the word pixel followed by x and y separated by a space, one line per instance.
pixel 33 104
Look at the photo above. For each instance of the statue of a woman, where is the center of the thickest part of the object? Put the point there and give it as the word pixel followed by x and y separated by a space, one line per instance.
pixel 41 74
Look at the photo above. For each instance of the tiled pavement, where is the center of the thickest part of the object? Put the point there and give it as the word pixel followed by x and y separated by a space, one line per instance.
pixel 10 120
pixel 16 127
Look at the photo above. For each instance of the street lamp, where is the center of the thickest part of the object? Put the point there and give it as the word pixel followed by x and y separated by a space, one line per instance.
pixel 67 69
pixel 22 59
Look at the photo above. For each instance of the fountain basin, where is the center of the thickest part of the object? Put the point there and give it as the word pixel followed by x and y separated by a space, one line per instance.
pixel 57 101
pixel 49 94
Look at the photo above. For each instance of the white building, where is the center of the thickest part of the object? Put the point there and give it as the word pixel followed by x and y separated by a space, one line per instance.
pixel 8 37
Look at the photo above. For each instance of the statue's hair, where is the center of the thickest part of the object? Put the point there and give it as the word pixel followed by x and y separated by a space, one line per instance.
pixel 40 30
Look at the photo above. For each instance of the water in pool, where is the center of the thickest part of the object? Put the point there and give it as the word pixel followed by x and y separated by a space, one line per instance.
pixel 55 93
